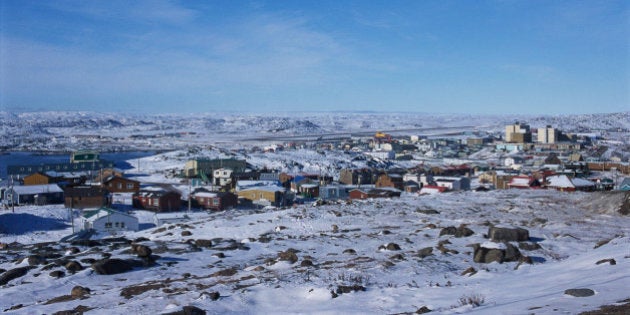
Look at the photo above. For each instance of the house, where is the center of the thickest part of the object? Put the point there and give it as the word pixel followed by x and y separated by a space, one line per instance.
pixel 358 193
pixel 310 190
pixel 215 200
pixel 390 180
pixel 331 192
pixel 524 182
pixel 247 184
pixel 107 220
pixel 513 161
pixel 82 197
pixel 158 198
pixel 452 183
pixel 625 184
pixel 199 167
pixel 33 194
pixel 267 195
pixel 356 176
pixel 412 186
pixel 564 183
pixel 432 189
pixel 116 184
pixel 38 178
pixel 222 177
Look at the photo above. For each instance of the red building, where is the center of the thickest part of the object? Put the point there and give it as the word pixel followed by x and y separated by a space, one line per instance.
pixel 215 200
pixel 158 199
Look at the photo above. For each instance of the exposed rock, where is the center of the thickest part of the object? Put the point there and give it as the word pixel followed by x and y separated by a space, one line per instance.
pixel 528 246
pixel 132 291
pixel 469 271
pixel 141 250
pixel 79 292
pixel 141 239
pixel 186 233
pixel 389 246
pixel 73 250
pixel 111 266
pixel 461 231
pixel 88 243
pixel 349 288
pixel 225 273
pixel 306 263
pixel 423 310
pixel 579 292
pixel 350 251
pixel 203 243
pixel 427 251
pixel 14 274
pixel 73 266
pixel 289 256
pixel 34 260
pixel 188 310
pixel 611 261
pixel 76 311
pixel 427 211
pixel 335 228
pixel 57 274
pixel 499 234
pixel 488 255
pixel 88 261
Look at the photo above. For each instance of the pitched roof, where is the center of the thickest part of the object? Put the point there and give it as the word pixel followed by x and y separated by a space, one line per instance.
pixel 103 211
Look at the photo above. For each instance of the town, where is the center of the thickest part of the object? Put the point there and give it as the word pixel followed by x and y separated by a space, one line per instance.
pixel 364 167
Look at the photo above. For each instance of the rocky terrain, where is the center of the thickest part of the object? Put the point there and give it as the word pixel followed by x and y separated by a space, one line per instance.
pixel 492 252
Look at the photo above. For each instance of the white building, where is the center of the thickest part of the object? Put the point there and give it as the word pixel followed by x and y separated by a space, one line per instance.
pixel 107 220
pixel 222 176
pixel 547 135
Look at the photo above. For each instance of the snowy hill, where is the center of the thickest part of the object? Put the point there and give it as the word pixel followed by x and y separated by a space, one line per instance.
pixel 372 257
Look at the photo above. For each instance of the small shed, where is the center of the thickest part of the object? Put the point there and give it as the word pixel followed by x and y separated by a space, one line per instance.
pixel 108 220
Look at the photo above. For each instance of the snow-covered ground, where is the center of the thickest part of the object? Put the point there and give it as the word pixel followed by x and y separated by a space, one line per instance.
pixel 249 263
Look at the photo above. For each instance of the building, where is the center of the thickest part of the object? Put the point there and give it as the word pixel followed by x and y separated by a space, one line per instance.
pixel 82 197
pixel 33 195
pixel 452 183
pixel 518 133
pixel 524 182
pixel 197 167
pixel 158 199
pixel 222 177
pixel 107 220
pixel 564 183
pixel 333 192
pixel 356 176
pixel 116 184
pixel 547 135
pixel 38 178
pixel 267 195
pixel 84 156
pixel 215 200
pixel 390 180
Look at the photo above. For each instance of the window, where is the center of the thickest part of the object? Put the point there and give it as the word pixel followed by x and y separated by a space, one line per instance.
pixel 108 225
pixel 122 225
pixel 129 186
pixel 119 185
pixel 116 224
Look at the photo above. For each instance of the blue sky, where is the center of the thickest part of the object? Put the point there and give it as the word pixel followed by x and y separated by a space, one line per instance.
pixel 480 57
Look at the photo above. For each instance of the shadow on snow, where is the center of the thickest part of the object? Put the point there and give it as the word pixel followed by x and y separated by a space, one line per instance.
pixel 20 223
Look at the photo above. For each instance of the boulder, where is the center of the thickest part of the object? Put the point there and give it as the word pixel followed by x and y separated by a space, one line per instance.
pixel 461 231
pixel 579 292
pixel 141 250
pixel 499 234
pixel 289 256
pixel 111 266
pixel 427 251
pixel 500 255
pixel 57 274
pixel 188 310
pixel 73 266
pixel 186 233
pixel 14 274
pixel 34 260
pixel 203 243
pixel 79 292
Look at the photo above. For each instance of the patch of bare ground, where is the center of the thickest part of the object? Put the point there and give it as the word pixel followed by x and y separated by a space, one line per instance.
pixel 616 309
